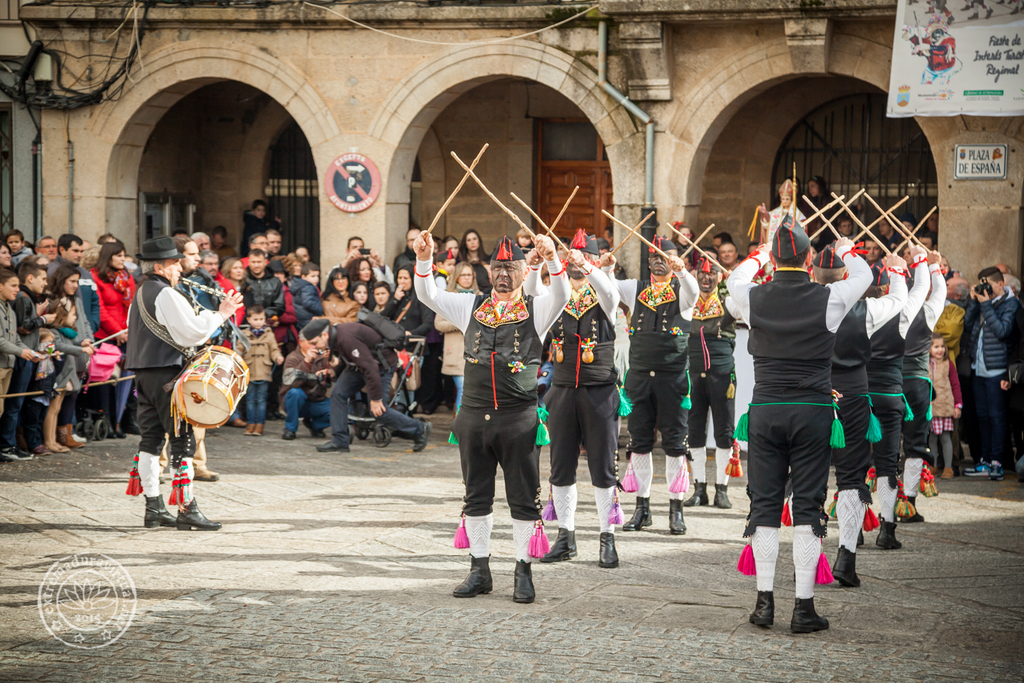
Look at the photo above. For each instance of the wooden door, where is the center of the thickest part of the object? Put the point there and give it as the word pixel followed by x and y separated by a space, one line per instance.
pixel 556 177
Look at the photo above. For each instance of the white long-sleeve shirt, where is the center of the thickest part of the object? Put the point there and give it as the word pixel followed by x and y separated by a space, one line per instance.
pixel 842 295
pixel 688 292
pixel 458 307
pixel 186 327
pixel 936 301
pixel 885 308
pixel 916 299
pixel 607 293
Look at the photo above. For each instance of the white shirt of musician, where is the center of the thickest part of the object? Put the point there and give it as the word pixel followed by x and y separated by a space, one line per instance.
pixel 186 327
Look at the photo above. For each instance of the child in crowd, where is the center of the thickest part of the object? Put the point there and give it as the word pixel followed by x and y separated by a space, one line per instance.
pixel 36 407
pixel 261 357
pixel 13 351
pixel 946 406
pixel 19 250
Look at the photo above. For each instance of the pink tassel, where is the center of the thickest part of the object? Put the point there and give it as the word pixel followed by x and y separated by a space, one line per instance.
pixel 616 517
pixel 461 537
pixel 539 541
pixel 549 514
pixel 629 484
pixel 681 483
pixel 824 575
pixel 746 565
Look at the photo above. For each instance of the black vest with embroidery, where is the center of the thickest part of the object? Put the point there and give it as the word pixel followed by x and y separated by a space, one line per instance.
pixel 852 353
pixel 885 369
pixel 658 332
pixel 790 340
pixel 503 355
pixel 919 346
pixel 712 336
pixel 144 349
pixel 583 343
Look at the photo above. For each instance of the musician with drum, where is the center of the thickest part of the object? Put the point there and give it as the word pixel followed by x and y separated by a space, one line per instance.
pixel 163 331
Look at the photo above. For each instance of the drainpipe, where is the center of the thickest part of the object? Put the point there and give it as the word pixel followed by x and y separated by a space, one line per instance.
pixel 649 228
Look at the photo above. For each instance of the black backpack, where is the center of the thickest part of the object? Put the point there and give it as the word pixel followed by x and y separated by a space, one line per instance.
pixel 392 334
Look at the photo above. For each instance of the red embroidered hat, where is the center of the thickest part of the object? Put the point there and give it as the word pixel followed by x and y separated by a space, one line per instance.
pixel 789 240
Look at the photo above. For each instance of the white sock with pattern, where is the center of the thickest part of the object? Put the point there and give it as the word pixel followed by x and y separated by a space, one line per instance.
pixel 565 506
pixel 806 551
pixel 479 531
pixel 643 470
pixel 722 456
pixel 672 465
pixel 765 544
pixel 149 473
pixel 698 464
pixel 850 513
pixel 887 499
pixel 522 530
pixel 912 475
pixel 605 499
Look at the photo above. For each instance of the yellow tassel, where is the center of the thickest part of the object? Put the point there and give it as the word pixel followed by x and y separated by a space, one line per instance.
pixel 730 393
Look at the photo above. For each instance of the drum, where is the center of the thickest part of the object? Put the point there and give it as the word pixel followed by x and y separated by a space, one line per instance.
pixel 209 389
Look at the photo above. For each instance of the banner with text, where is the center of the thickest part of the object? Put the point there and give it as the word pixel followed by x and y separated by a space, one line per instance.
pixel 949 60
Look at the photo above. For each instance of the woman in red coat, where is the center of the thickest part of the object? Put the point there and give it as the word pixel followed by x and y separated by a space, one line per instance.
pixel 116 287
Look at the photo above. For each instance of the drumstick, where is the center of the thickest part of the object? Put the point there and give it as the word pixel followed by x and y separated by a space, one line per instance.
pixel 689 249
pixel 699 250
pixel 641 237
pixel 836 214
pixel 631 233
pixel 865 229
pixel 510 212
pixel 457 188
pixel 542 224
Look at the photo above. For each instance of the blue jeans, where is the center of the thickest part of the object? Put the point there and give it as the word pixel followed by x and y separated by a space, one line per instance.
pixel 297 405
pixel 20 379
pixel 459 381
pixel 346 387
pixel 990 405
pixel 256 403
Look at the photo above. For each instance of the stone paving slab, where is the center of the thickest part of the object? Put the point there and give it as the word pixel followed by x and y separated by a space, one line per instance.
pixel 340 567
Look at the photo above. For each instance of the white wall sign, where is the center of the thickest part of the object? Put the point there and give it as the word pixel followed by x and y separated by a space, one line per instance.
pixel 979 162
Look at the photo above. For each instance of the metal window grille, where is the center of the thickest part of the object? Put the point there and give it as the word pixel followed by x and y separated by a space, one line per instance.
pixel 293 190
pixel 6 169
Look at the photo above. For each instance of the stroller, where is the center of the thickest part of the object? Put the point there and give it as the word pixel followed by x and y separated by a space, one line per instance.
pixel 361 421
pixel 94 423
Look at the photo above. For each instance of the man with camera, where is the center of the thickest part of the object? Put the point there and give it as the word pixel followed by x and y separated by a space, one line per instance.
pixel 988 327
pixel 306 383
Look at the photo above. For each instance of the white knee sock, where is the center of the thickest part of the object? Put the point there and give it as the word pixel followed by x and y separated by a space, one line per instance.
pixel 698 466
pixel 722 456
pixel 604 498
pixel 191 473
pixel 765 544
pixel 565 506
pixel 806 551
pixel 522 530
pixel 850 512
pixel 479 531
pixel 672 466
pixel 149 473
pixel 887 498
pixel 912 475
pixel 643 470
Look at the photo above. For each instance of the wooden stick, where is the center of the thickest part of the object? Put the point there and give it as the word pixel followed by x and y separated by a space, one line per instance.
pixel 62 390
pixel 926 217
pixel 510 212
pixel 916 229
pixel 818 214
pixel 639 236
pixel 689 249
pixel 564 207
pixel 631 232
pixel 542 224
pixel 865 229
pixel 896 225
pixel 699 250
pixel 836 214
pixel 879 219
pixel 457 188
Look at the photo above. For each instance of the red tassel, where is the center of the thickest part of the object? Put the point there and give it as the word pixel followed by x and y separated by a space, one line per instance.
pixel 175 498
pixel 787 518
pixel 504 253
pixel 579 240
pixel 747 566
pixel 734 468
pixel 870 520
pixel 134 481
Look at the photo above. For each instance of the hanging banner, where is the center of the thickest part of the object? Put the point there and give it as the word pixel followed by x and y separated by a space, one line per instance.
pixel 949 59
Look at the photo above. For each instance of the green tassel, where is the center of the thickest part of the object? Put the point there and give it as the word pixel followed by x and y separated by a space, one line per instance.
pixel 451 437
pixel 838 439
pixel 543 436
pixel 740 433
pixel 542 413
pixel 625 405
pixel 832 507
pixel 687 403
pixel 929 415
pixel 908 414
pixel 874 429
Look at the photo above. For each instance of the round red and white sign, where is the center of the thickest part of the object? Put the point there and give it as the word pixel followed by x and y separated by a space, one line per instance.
pixel 352 182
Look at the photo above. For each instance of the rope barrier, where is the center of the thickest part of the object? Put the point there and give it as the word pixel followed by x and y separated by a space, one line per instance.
pixel 60 391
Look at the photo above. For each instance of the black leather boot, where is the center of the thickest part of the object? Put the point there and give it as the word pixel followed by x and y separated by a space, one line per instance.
pixel 845 568
pixel 523 591
pixel 564 547
pixel 676 526
pixel 805 619
pixel 887 536
pixel 156 513
pixel 700 495
pixel 191 518
pixel 641 516
pixel 609 559
pixel 764 609
pixel 917 516
pixel 721 497
pixel 479 579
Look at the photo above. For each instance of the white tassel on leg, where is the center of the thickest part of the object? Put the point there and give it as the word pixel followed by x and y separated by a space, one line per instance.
pixel 564 498
pixel 643 470
pixel 522 530
pixel 698 464
pixel 850 513
pixel 479 531
pixel 722 456
pixel 149 473
pixel 605 498
pixel 806 551
pixel 765 543
pixel 912 475
pixel 887 499
pixel 672 466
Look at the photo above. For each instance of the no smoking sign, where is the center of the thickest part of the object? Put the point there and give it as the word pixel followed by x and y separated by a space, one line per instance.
pixel 352 182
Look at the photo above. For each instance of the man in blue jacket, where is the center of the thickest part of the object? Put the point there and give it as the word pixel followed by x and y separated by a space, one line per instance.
pixel 989 329
pixel 306 295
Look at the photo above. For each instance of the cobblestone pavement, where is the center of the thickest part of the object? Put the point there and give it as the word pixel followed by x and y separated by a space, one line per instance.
pixel 340 567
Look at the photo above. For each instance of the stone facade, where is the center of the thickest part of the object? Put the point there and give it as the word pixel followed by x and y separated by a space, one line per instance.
pixel 710 73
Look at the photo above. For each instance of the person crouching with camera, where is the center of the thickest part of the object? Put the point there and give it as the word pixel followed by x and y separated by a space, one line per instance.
pixel 306 383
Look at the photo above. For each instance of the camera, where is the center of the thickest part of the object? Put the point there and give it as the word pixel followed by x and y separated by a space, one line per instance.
pixel 364 252
pixel 983 287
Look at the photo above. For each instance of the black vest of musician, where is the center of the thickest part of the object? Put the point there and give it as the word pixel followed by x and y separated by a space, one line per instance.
pixel 503 354
pixel 713 328
pixel 885 369
pixel 789 340
pixel 658 332
pixel 919 346
pixel 852 353
pixel 144 349
pixel 583 326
